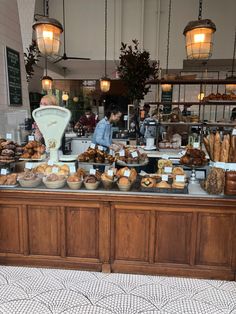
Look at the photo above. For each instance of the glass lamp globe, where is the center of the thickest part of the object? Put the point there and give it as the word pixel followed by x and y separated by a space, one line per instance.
pixel 46 83
pixel 105 84
pixel 65 96
pixel 166 87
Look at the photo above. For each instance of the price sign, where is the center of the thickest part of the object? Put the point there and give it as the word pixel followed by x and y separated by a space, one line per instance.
pixel 165 156
pixel 196 145
pixel 28 165
pixel 164 177
pixel 92 171
pixel 127 173
pixel 112 153
pixel 220 165
pixel 134 154
pixel 110 173
pixel 125 117
pixel 92 145
pixel 167 169
pixel 179 178
pixel 122 153
pixel 231 166
pixel 30 138
pixel 8 136
pixel 100 147
pixel 72 169
pixel 50 162
pixel 3 171
pixel 55 170
pixel 234 131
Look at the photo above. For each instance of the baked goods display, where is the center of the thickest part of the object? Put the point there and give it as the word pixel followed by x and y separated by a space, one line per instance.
pixel 222 149
pixel 108 178
pixel 75 180
pixel 214 183
pixel 29 179
pixel 96 155
pixel 46 169
pixel 91 182
pixel 194 157
pixel 219 96
pixel 130 155
pixel 130 173
pixel 33 150
pixel 54 181
pixel 9 150
pixel 148 182
pixel 8 179
pixel 162 164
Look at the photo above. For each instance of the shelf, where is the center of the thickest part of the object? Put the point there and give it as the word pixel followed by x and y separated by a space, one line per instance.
pixel 181 123
pixel 219 124
pixel 191 82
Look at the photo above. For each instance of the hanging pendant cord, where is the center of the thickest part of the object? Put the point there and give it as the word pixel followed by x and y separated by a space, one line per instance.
pixel 234 53
pixel 168 39
pixel 46 66
pixel 64 24
pixel 200 10
pixel 105 38
pixel 46 7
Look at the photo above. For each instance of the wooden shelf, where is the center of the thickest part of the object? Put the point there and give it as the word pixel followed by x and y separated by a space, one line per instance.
pixel 191 82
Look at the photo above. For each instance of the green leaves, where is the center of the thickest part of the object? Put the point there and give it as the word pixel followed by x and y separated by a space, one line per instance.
pixel 135 69
pixel 31 58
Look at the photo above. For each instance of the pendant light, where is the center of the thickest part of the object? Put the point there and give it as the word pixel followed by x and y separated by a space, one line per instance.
pixel 47 32
pixel 46 80
pixel 105 82
pixel 167 87
pixel 199 37
pixel 232 87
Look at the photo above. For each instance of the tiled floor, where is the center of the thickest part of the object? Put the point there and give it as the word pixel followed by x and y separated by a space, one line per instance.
pixel 47 291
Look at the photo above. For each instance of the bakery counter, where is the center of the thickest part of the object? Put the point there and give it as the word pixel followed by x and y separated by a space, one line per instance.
pixel 112 231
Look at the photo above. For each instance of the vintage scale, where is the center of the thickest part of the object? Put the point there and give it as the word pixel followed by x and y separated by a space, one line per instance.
pixel 52 122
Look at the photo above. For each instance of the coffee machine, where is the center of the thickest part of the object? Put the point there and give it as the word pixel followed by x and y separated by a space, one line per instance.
pixel 149 131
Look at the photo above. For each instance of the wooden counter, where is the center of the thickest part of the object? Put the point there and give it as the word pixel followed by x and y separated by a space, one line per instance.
pixel 119 232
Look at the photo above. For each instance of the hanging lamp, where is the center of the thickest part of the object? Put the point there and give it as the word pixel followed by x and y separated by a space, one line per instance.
pixel 199 37
pixel 232 87
pixel 105 82
pixel 48 31
pixel 46 80
pixel 167 87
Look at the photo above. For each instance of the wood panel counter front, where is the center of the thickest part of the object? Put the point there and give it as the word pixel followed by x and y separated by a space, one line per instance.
pixel 119 232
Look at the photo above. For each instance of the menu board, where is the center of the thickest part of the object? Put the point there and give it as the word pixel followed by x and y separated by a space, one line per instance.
pixel 14 77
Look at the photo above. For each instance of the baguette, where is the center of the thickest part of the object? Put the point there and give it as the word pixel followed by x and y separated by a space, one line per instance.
pixel 211 144
pixel 217 147
pixel 207 145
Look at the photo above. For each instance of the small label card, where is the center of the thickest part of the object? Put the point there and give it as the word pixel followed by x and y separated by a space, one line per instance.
pixel 196 145
pixel 3 171
pixel 165 156
pixel 30 138
pixel 182 153
pixel 92 171
pixel 72 169
pixel 167 169
pixel 127 173
pixel 100 147
pixel 92 145
pixel 55 170
pixel 219 164
pixel 179 178
pixel 50 162
pixel 122 153
pixel 231 166
pixel 28 165
pixel 164 177
pixel 110 173
pixel 125 117
pixel 234 131
pixel 134 154
pixel 112 153
pixel 8 136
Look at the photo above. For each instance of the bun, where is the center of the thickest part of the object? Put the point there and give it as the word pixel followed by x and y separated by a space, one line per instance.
pixel 178 171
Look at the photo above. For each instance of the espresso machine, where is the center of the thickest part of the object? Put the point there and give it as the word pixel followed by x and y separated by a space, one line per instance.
pixel 149 131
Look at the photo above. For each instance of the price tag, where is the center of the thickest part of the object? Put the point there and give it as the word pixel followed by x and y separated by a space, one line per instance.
pixel 196 145
pixel 167 169
pixel 165 156
pixel 72 169
pixel 127 173
pixel 125 117
pixel 30 138
pixel 8 136
pixel 231 166
pixel 55 170
pixel 219 165
pixel 179 178
pixel 92 171
pixel 100 147
pixel 164 177
pixel 50 162
pixel 92 145
pixel 134 154
pixel 234 131
pixel 28 165
pixel 110 173
pixel 3 171
pixel 112 153
pixel 182 153
pixel 122 153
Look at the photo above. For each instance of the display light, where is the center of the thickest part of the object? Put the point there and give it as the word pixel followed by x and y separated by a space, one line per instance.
pixel 199 37
pixel 75 99
pixel 46 80
pixel 65 96
pixel 200 96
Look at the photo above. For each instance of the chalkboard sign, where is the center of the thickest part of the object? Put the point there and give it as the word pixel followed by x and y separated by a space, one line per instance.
pixel 14 77
pixel 166 99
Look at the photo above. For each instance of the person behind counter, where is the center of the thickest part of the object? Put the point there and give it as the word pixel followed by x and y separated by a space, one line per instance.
pixel 103 132
pixel 88 121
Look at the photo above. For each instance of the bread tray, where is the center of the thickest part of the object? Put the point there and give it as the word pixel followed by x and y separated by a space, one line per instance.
pixel 164 190
pixel 43 157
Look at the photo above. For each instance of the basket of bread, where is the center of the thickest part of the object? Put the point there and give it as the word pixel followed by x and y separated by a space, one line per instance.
pixel 131 156
pixel 108 178
pixel 96 155
pixel 54 181
pixel 126 178
pixel 75 180
pixel 29 179
pixel 8 180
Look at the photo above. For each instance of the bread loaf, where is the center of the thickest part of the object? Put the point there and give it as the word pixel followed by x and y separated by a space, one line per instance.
pixel 217 147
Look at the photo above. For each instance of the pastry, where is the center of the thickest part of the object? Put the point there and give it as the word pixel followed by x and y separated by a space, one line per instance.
pixel 178 185
pixel 148 182
pixel 124 181
pixel 163 184
pixel 178 171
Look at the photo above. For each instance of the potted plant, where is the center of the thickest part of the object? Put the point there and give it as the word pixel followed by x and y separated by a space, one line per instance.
pixel 135 69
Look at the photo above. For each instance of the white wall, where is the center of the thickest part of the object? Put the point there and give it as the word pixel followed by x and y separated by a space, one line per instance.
pixel 10 35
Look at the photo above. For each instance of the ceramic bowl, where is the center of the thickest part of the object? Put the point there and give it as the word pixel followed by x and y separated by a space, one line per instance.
pixel 125 187
pixel 54 184
pixel 75 185
pixel 108 184
pixel 30 183
pixel 91 186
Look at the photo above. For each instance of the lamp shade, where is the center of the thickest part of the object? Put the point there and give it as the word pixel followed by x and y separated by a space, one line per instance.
pixel 166 87
pixel 105 84
pixel 199 39
pixel 65 96
pixel 46 82
pixel 48 32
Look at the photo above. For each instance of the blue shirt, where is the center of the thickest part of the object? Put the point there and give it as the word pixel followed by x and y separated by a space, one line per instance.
pixel 103 133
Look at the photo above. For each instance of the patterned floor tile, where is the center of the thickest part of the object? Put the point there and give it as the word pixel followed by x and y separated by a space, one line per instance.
pixel 10 292
pixel 12 274
pixel 88 309
pixel 228 286
pixel 24 307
